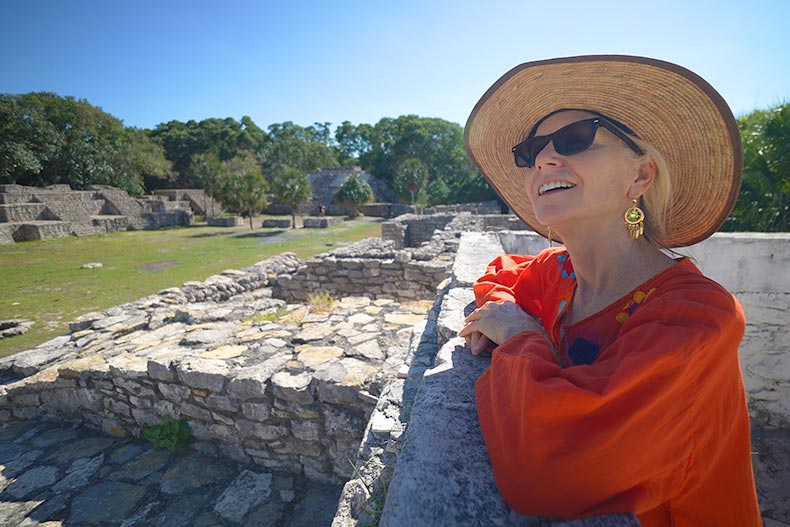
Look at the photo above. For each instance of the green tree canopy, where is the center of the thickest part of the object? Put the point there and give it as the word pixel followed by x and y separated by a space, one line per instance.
pixel 292 186
pixel 353 193
pixel 243 187
pixel 764 200
pixel 410 177
pixel 437 144
pixel 47 139
pixel 303 148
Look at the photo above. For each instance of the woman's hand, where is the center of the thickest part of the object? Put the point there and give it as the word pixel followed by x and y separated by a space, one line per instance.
pixel 493 322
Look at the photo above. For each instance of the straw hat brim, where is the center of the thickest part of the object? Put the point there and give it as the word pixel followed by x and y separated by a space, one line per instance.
pixel 671 107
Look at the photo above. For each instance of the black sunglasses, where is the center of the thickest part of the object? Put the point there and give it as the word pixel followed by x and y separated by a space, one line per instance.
pixel 568 140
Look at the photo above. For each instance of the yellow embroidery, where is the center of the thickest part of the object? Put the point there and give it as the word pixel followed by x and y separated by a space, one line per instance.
pixel 631 305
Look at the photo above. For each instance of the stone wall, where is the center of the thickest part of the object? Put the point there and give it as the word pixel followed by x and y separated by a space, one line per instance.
pixel 32 213
pixel 372 267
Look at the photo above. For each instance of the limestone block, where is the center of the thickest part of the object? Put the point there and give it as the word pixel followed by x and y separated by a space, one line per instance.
pixel 222 403
pixel 63 401
pixel 204 374
pixel 134 388
pixel 340 381
pixel 195 412
pixel 245 493
pixel 256 411
pixel 306 430
pixel 250 382
pixel 129 366
pixel 173 392
pixel 116 407
pixel 26 399
pixel 249 429
pixel 314 356
pixel 76 367
pixel 293 387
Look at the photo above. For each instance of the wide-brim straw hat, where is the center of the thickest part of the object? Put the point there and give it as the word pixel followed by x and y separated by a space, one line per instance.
pixel 667 105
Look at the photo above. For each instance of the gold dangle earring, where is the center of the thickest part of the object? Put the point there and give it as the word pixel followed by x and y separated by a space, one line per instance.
pixel 635 221
pixel 551 242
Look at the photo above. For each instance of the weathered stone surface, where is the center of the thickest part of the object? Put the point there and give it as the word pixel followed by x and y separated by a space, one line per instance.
pixel 369 350
pixel 246 492
pixel 293 387
pixel 224 352
pixel 203 374
pixel 315 356
pixel 193 472
pixel 403 319
pixel 250 382
pixel 106 502
pixel 28 483
pixel 340 381
pixel 79 473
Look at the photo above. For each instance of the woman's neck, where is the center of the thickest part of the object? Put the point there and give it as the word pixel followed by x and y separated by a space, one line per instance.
pixel 607 268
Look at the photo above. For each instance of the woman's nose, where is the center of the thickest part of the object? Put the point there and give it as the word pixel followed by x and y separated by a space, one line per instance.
pixel 548 156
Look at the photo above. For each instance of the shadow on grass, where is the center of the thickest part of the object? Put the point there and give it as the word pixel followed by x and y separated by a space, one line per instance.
pixel 268 234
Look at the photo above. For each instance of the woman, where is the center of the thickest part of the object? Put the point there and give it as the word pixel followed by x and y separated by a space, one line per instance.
pixel 614 383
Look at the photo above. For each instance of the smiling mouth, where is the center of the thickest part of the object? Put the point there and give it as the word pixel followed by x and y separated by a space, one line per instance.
pixel 554 186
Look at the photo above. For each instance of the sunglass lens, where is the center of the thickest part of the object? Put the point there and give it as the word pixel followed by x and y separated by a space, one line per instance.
pixel 527 151
pixel 575 137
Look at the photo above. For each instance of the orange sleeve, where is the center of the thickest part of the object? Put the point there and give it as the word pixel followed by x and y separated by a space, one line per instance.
pixel 513 278
pixel 618 435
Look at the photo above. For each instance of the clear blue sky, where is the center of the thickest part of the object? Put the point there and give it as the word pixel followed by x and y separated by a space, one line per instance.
pixel 150 61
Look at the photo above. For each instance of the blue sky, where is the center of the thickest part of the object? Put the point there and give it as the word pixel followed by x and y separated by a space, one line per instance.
pixel 148 62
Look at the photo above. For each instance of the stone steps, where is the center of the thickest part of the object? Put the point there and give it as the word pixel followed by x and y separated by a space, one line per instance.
pixel 38 230
pixel 22 212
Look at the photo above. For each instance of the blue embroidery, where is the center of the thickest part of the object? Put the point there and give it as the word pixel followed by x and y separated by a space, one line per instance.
pixel 582 351
pixel 562 306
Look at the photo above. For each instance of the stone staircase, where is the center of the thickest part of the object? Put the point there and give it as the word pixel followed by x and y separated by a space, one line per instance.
pixel 32 213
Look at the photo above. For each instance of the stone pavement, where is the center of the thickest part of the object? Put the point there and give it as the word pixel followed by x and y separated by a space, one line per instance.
pixel 55 474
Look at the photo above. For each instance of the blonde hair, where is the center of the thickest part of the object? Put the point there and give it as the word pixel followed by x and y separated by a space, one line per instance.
pixel 655 201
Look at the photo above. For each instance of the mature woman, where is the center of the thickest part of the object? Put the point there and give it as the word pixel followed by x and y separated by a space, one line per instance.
pixel 614 383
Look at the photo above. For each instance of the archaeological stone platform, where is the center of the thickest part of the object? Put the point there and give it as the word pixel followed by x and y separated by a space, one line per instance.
pixel 36 213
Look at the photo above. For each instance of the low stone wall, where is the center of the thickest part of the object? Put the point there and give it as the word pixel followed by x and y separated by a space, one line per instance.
pixel 321 222
pixel 387 210
pixel 371 267
pixel 277 223
pixel 262 382
pixel 225 221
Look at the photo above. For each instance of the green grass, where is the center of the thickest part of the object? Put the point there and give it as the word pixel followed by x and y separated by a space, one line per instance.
pixel 44 281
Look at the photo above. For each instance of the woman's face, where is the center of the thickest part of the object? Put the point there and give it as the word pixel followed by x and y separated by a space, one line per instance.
pixel 585 190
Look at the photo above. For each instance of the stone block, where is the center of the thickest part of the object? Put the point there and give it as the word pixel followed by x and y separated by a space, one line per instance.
pixel 251 382
pixel 293 387
pixel 256 411
pixel 203 374
pixel 306 430
pixel 249 429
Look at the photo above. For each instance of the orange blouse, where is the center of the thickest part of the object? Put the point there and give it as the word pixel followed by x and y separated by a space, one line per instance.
pixel 639 408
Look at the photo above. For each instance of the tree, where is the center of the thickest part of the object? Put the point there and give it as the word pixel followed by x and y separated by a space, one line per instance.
pixel 764 200
pixel 208 174
pixel 243 187
pixel 47 139
pixel 410 177
pixel 353 193
pixel 303 148
pixel 292 186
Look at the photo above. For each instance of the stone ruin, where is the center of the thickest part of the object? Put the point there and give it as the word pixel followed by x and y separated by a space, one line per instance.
pixel 35 213
pixel 267 376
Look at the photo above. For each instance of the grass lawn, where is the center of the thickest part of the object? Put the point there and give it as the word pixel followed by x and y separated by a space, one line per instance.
pixel 44 281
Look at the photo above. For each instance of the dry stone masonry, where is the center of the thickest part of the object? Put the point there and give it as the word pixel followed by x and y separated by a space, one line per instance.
pixel 33 213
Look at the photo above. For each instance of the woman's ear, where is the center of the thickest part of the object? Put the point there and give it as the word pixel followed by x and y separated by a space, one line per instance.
pixel 646 173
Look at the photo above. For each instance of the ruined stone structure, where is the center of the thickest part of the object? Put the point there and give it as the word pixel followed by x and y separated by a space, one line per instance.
pixel 324 185
pixel 34 213
pixel 379 378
